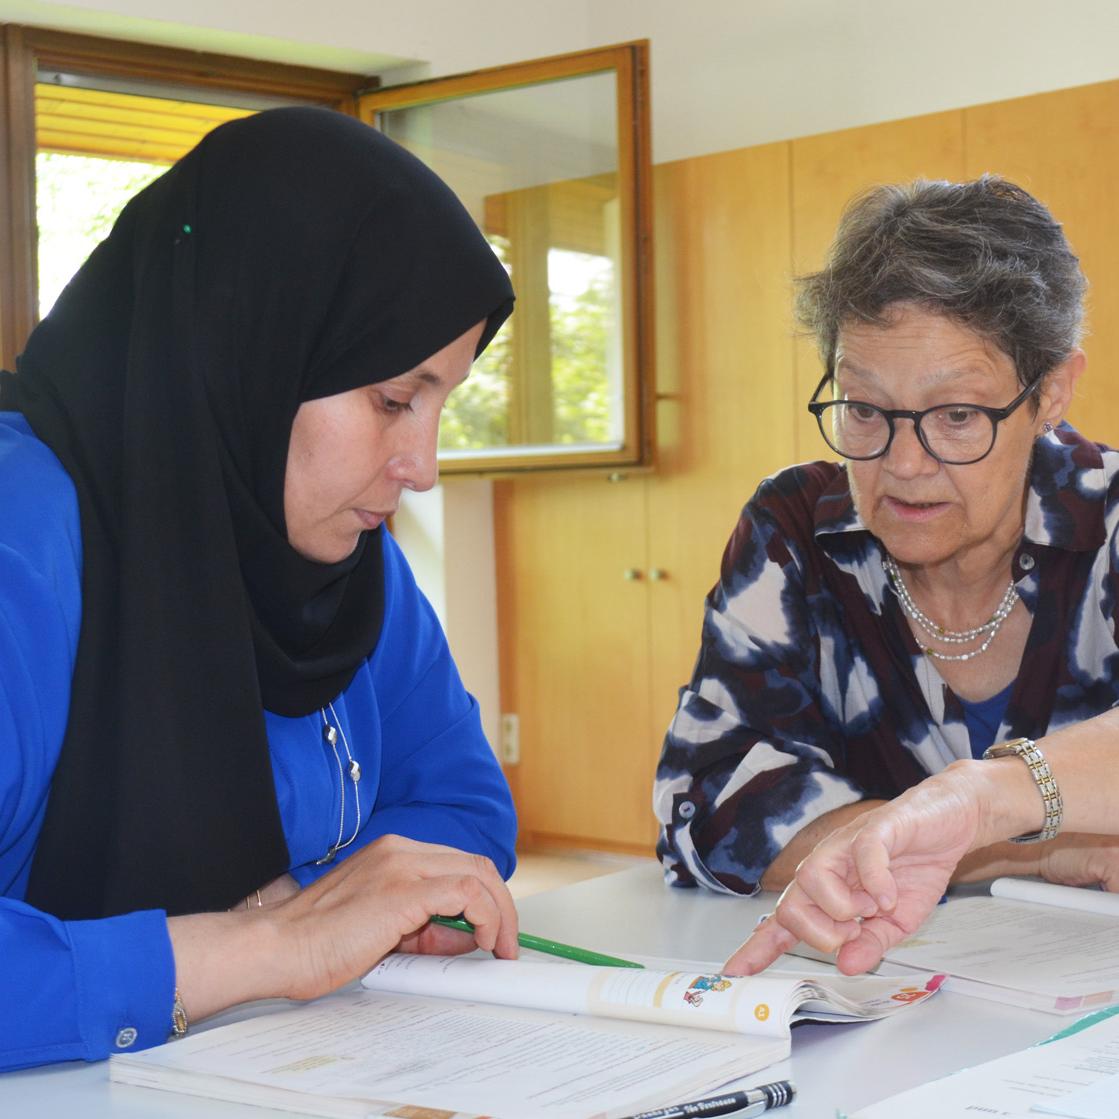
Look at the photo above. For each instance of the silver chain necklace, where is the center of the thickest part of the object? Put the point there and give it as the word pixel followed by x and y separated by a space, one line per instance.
pixel 352 771
pixel 950 637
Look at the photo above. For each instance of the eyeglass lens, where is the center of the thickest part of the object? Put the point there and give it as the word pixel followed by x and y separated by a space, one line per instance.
pixel 953 433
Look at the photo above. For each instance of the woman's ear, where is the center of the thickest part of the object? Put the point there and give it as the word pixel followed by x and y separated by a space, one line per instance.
pixel 1056 393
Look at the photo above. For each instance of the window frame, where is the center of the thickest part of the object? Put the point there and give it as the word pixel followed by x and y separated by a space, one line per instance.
pixel 23 50
pixel 630 63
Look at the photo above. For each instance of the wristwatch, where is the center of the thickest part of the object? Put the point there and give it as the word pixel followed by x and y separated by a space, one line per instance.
pixel 1030 753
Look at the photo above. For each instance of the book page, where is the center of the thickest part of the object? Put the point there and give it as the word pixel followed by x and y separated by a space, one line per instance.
pixel 840 998
pixel 372 1047
pixel 759 1004
pixel 1040 949
pixel 1013 1087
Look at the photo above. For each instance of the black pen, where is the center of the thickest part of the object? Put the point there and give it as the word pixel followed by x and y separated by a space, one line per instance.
pixel 740 1105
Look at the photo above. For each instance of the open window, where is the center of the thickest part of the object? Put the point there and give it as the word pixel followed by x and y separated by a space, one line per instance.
pixel 86 122
pixel 551 157
pixel 96 144
pixel 552 160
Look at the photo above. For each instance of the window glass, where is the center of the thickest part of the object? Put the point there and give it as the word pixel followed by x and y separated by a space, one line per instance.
pixel 95 149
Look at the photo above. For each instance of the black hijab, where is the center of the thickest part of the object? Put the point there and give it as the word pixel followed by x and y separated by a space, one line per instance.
pixel 292 255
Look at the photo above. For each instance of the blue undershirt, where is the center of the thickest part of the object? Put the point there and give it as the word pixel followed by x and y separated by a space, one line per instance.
pixel 983 718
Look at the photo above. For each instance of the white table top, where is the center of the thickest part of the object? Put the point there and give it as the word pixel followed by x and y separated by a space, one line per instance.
pixel 834 1066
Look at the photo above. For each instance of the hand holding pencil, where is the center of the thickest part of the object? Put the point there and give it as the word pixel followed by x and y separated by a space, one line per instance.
pixel 551 947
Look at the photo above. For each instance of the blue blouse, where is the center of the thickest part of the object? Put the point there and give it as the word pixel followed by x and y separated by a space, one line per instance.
pixel 85 989
pixel 983 718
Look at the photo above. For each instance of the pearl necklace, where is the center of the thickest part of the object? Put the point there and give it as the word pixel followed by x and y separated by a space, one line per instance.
pixel 947 636
pixel 352 770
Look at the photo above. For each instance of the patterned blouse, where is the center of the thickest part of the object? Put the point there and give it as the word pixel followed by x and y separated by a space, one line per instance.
pixel 810 691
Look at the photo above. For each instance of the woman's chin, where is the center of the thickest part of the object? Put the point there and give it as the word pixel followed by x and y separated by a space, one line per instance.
pixel 327 551
pixel 916 549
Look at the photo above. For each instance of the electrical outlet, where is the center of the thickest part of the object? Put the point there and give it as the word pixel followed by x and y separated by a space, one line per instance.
pixel 510 739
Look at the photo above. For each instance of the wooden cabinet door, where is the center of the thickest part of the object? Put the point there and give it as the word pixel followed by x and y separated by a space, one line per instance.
pixel 725 383
pixel 575 659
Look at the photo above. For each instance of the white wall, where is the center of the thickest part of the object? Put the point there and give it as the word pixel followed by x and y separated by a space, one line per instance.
pixel 447 535
pixel 726 73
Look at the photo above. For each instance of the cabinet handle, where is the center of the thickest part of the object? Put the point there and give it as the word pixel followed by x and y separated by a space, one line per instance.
pixel 631 574
pixel 657 574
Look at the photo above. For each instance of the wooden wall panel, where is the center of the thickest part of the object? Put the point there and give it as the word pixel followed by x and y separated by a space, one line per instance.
pixel 1064 148
pixel 831 169
pixel 725 382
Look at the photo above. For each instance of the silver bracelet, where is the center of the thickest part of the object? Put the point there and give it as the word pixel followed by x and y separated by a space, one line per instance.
pixel 1030 753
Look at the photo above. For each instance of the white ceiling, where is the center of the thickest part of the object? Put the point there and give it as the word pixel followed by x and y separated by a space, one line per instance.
pixel 726 73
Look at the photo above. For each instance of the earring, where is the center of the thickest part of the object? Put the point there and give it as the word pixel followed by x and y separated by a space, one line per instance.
pixel 1046 428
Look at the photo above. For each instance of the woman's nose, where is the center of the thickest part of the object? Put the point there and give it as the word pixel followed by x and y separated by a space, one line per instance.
pixel 417 464
pixel 907 455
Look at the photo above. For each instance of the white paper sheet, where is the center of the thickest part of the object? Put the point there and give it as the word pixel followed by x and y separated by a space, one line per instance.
pixel 1049 893
pixel 1014 1087
pixel 1100 1101
pixel 1061 954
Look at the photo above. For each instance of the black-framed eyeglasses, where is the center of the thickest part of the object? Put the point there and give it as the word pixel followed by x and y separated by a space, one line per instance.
pixel 955 434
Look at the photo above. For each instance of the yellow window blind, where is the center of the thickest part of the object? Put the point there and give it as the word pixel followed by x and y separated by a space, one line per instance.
pixel 95 122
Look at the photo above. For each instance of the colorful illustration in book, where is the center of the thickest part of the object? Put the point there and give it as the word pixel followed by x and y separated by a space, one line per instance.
pixel 694 994
pixel 915 994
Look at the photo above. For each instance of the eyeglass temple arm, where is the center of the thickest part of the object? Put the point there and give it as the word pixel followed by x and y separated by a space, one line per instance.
pixel 823 381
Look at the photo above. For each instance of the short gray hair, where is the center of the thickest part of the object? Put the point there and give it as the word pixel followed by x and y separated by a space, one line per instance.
pixel 985 253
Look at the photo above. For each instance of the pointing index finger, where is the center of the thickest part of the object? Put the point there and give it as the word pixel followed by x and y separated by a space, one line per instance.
pixel 768 941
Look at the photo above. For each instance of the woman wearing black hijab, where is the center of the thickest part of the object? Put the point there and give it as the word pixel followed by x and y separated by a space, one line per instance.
pixel 217 676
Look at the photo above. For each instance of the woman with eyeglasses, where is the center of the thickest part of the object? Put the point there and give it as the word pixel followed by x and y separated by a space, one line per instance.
pixel 941 590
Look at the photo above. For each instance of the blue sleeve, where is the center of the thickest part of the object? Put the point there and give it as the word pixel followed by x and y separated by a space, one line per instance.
pixel 80 990
pixel 68 990
pixel 439 780
pixel 448 788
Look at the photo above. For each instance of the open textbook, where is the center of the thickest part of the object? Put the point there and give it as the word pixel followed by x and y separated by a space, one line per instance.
pixel 511 1039
pixel 1030 944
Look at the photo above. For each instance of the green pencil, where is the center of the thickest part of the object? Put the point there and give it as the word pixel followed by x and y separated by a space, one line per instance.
pixel 552 947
